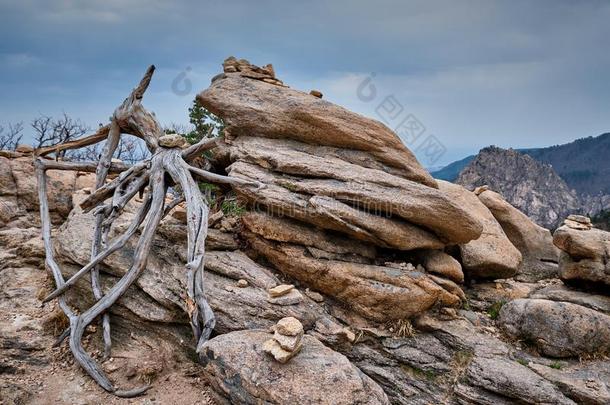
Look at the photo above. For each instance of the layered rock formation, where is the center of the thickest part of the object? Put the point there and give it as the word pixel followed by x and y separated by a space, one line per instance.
pixel 540 256
pixel 349 177
pixel 585 256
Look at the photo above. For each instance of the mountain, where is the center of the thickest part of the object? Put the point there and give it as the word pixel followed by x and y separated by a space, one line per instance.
pixel 452 170
pixel 533 187
pixel 583 164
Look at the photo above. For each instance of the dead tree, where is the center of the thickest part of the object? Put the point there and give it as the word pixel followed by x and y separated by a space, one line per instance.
pixel 167 166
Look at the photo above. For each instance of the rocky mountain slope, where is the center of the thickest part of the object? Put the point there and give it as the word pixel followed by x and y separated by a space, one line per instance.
pixel 583 164
pixel 531 186
pixel 347 276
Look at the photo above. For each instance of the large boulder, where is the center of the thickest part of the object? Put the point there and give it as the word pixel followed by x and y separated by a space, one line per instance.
pixel 557 329
pixel 535 243
pixel 585 256
pixel 240 371
pixel 492 255
pixel 253 107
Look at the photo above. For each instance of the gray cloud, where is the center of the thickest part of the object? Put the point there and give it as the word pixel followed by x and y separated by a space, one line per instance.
pixel 474 72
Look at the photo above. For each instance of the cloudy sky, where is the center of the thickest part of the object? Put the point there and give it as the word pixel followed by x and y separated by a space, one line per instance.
pixel 472 73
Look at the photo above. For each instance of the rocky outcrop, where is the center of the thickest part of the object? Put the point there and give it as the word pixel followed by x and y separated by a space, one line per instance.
pixel 339 193
pixel 157 295
pixel 19 196
pixel 492 255
pixel 540 256
pixel 241 372
pixel 585 256
pixel 250 107
pixel 533 187
pixel 557 329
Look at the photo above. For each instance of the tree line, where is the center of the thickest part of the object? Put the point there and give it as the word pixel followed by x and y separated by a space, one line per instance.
pixel 47 131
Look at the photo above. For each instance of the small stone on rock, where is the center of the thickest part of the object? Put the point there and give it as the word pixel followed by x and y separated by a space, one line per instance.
pixel 317 297
pixel 242 283
pixel 289 326
pixel 273 348
pixel 290 343
pixel 316 93
pixel 172 141
pixel 280 290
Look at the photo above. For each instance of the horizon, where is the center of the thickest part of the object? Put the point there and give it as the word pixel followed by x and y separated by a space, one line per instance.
pixel 514 75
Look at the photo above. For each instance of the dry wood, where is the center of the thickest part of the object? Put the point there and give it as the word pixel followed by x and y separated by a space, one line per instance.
pixel 108 201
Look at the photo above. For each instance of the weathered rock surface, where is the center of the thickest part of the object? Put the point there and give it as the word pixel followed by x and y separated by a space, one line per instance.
pixel 19 197
pixel 377 292
pixel 492 255
pixel 251 107
pixel 585 255
pixel 540 256
pixel 439 262
pixel 241 372
pixel 558 329
pixel 157 295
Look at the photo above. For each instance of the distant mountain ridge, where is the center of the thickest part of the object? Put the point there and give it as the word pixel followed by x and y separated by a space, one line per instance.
pixel 583 164
pixel 531 186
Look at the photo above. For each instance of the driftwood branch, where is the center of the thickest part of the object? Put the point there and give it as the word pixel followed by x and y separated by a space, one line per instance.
pixel 108 201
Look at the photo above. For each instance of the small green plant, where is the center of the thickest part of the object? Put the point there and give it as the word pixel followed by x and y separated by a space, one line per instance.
pixel 466 305
pixel 205 124
pixel 232 207
pixel 523 362
pixel 494 310
pixel 556 365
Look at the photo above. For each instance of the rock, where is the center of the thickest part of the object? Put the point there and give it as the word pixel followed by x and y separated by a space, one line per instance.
pixel 22 148
pixel 280 290
pixel 328 213
pixel 290 343
pixel 172 141
pixel 316 93
pixel 587 383
pixel 492 255
pixel 377 292
pixel 540 256
pixel 597 302
pixel 273 347
pixel 242 283
pixel 316 296
pixel 239 370
pixel 576 225
pixel 373 190
pixel 439 262
pixel 558 329
pixel 289 326
pixel 293 297
pixel 581 219
pixel 252 107
pixel 19 194
pixel 585 257
pixel 287 230
pixel 496 380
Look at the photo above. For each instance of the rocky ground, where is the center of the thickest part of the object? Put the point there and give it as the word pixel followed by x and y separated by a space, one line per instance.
pixel 350 277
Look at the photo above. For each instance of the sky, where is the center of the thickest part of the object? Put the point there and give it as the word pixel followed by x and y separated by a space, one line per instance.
pixel 465 74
